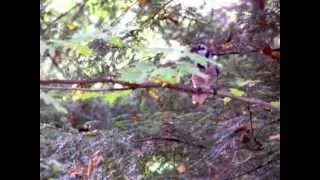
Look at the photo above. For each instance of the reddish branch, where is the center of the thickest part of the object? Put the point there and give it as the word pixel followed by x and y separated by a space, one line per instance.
pixel 132 86
pixel 238 52
pixel 84 89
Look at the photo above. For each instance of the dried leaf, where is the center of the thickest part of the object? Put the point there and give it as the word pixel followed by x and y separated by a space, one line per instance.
pixel 136 118
pixel 275 55
pixel 226 100
pixel 167 118
pixel 274 137
pixel 143 3
pixel 181 168
pixel 267 50
pixel 92 133
pixel 263 23
pixel 154 94
pixel 226 46
pixel 75 171
pixel 90 168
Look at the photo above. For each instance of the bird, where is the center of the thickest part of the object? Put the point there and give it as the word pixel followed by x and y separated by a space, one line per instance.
pixel 211 70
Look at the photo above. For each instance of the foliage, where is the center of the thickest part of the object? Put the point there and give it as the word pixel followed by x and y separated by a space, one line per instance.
pixel 148 133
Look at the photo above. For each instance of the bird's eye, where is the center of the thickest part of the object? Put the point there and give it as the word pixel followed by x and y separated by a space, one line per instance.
pixel 195 48
pixel 200 66
pixel 202 46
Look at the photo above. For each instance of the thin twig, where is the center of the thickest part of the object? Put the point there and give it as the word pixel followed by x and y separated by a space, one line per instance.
pixel 117 19
pixel 157 11
pixel 239 52
pixel 250 113
pixel 173 139
pixel 59 17
pixel 84 89
pixel 224 170
pixel 252 170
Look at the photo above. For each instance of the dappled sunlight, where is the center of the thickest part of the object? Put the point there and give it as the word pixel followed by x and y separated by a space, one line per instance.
pixel 61 6
pixel 206 7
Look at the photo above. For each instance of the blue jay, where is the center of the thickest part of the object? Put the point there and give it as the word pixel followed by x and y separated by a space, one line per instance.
pixel 212 74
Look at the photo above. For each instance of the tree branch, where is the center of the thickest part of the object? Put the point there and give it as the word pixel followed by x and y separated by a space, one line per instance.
pixel 129 85
pixel 253 170
pixel 239 52
pixel 59 17
pixel 78 5
pixel 84 89
pixel 173 139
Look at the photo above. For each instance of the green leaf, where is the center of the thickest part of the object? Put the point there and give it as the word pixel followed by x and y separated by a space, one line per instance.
pixel 85 95
pixel 144 66
pixel 55 168
pixel 83 49
pixel 58 43
pixel 236 92
pixel 154 166
pixel 49 100
pixel 91 34
pixel 138 73
pixel 119 124
pixel 87 35
pixel 276 104
pixel 241 82
pixel 197 58
pixel 165 166
pixel 116 41
pixel 161 50
pixel 132 75
pixel 165 74
pixel 188 69
pixel 113 97
pixel 174 53
pixel 201 59
pixel 164 71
